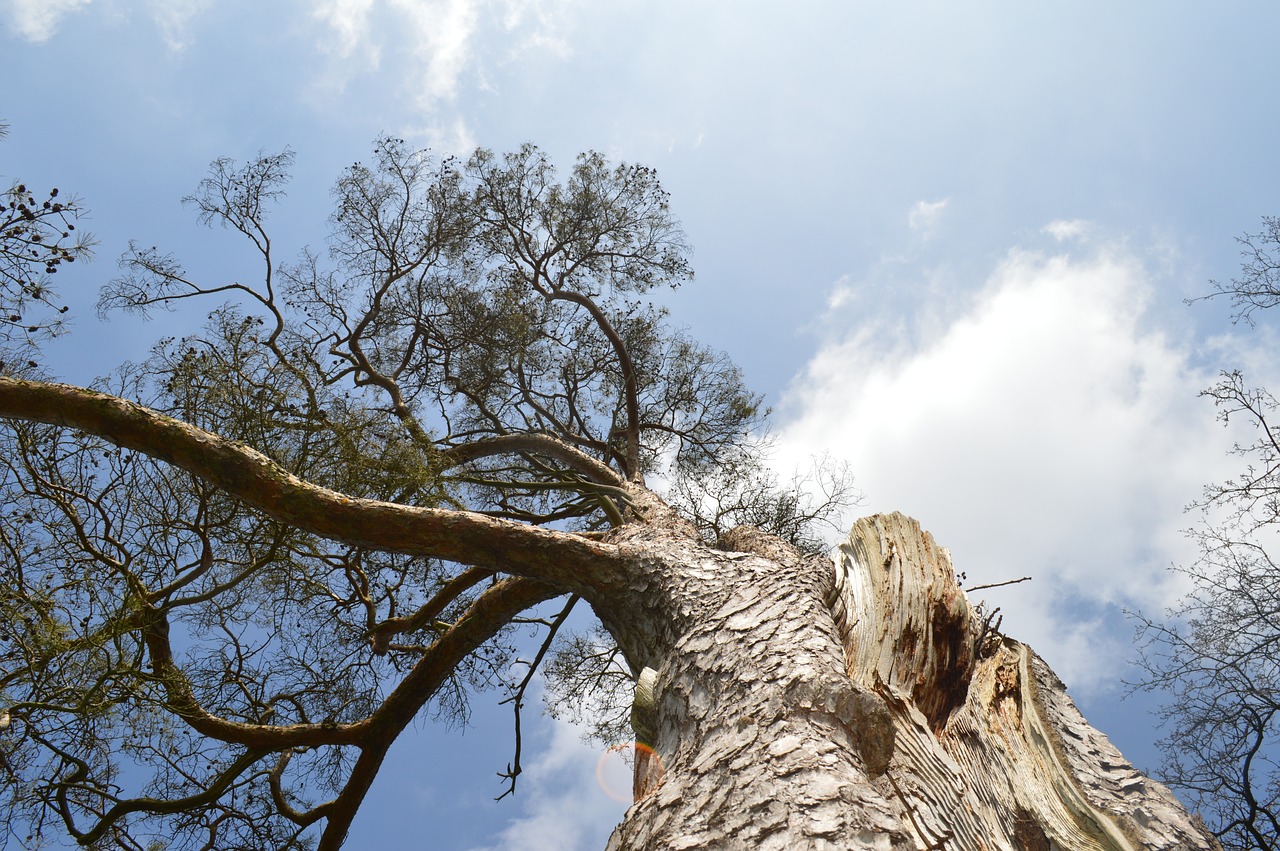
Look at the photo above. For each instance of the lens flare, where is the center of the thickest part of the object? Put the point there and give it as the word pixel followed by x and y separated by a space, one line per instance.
pixel 616 769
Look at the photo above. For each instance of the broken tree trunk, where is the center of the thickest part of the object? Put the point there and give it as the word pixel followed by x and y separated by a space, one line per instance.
pixel 800 704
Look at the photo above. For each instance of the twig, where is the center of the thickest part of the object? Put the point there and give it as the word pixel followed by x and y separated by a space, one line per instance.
pixel 997 584
pixel 517 697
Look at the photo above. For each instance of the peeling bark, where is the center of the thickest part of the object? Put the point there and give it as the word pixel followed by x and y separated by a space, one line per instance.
pixel 801 706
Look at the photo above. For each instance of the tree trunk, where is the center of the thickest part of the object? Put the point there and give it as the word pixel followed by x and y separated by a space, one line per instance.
pixel 798 706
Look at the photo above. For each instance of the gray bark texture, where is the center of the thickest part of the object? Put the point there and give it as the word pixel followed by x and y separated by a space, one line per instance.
pixel 802 702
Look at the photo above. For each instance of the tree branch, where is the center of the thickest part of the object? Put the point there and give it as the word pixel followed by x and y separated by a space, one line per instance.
pixel 630 387
pixel 538 444
pixel 489 613
pixel 465 537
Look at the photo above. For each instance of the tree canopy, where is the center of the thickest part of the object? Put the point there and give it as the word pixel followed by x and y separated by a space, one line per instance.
pixel 207 638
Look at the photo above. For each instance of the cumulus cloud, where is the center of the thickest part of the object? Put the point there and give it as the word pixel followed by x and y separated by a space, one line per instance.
pixel 1046 428
pixel 38 20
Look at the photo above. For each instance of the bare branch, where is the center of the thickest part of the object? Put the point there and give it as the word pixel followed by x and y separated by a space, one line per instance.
pixel 997 584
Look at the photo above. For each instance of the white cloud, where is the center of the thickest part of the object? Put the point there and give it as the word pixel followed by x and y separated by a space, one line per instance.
pixel 924 216
pixel 1044 429
pixel 842 292
pixel 565 808
pixel 429 41
pixel 38 20
pixel 174 17
pixel 437 45
pixel 442 35
pixel 539 23
pixel 349 22
pixel 1065 229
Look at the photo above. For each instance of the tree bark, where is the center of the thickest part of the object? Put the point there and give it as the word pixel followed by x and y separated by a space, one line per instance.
pixel 801 703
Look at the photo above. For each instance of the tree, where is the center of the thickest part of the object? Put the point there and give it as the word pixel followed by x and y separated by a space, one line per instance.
pixel 236 572
pixel 1218 651
pixel 37 236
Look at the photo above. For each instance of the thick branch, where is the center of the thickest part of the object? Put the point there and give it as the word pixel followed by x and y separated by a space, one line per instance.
pixel 489 613
pixel 572 561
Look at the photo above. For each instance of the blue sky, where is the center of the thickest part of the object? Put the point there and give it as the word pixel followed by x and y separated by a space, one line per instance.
pixel 949 241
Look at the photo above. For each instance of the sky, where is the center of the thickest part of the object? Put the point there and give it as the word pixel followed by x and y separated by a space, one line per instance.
pixel 952 244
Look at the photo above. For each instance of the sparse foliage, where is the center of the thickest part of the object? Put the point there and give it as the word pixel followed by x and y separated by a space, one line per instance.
pixel 38 236
pixel 1258 287
pixel 742 490
pixel 1218 652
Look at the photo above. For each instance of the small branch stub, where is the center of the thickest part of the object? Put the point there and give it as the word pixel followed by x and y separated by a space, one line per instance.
pixel 648 769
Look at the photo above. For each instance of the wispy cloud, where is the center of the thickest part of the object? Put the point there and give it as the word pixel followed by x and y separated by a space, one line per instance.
pixel 1067 229
pixel 348 27
pixel 437 44
pixel 174 18
pixel 538 24
pixel 924 216
pixel 443 35
pixel 38 20
pixel 429 51
pixel 1045 429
